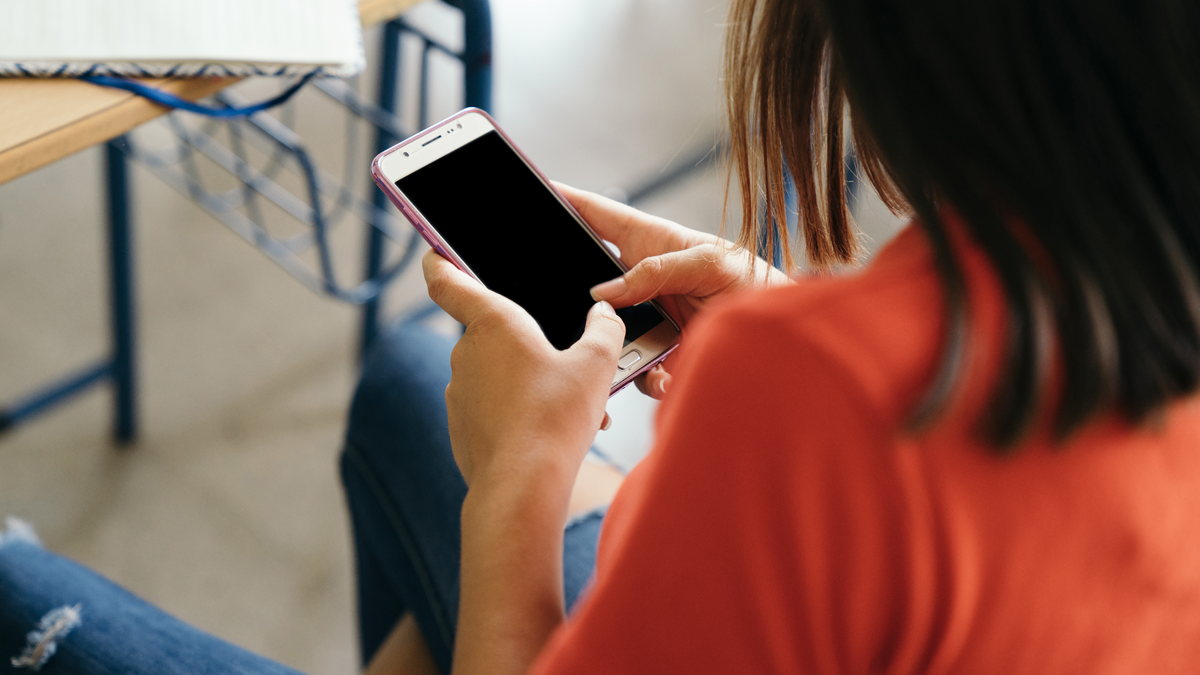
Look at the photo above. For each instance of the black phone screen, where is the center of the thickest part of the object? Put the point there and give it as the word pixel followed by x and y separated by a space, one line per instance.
pixel 507 226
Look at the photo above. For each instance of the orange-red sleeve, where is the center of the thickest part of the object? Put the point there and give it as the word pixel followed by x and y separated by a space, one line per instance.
pixel 761 534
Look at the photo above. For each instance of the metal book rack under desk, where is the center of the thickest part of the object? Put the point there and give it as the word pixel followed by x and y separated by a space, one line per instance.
pixel 321 204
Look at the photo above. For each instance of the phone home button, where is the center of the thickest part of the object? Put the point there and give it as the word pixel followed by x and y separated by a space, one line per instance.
pixel 629 360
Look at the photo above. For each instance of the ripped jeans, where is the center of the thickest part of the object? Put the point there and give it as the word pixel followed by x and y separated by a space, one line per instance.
pixel 404 493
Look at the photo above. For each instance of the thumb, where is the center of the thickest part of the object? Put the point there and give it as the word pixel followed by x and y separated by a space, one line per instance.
pixel 698 271
pixel 603 335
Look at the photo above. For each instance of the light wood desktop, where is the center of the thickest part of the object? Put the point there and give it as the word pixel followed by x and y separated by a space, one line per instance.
pixel 44 120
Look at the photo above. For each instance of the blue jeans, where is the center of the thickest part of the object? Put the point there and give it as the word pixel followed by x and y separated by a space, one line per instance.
pixel 404 493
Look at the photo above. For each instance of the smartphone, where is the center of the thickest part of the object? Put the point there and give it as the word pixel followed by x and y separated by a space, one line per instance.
pixel 481 204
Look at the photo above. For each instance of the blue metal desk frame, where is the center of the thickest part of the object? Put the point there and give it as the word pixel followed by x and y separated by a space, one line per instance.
pixel 120 367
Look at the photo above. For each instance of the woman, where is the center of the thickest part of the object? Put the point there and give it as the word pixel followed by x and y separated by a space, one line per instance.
pixel 981 454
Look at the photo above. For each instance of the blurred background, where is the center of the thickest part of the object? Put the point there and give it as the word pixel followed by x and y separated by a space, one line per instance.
pixel 228 511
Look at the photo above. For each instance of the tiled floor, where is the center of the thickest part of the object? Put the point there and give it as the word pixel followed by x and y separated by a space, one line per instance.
pixel 228 512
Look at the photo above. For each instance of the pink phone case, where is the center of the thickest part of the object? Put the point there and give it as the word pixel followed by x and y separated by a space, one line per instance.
pixel 429 234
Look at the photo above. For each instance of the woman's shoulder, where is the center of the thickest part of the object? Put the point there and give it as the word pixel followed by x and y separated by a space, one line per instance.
pixel 879 329
pixel 899 286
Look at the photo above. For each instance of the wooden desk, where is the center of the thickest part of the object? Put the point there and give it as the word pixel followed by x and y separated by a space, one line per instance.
pixel 44 120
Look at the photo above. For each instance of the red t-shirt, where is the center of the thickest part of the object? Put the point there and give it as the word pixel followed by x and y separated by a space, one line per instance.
pixel 784 522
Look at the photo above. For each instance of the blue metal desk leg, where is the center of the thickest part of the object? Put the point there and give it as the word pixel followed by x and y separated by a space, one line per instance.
pixel 121 261
pixel 477 53
pixel 388 72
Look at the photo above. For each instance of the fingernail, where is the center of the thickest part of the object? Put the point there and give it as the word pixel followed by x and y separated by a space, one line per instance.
pixel 609 289
pixel 662 387
pixel 603 307
pixel 607 423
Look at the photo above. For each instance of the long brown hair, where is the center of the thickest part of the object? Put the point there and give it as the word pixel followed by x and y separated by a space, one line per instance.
pixel 1079 119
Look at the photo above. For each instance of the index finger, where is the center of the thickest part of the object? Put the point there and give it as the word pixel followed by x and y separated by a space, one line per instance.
pixel 454 290
pixel 638 234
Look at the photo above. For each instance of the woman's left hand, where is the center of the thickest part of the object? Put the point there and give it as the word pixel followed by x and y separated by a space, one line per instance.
pixel 522 415
pixel 514 401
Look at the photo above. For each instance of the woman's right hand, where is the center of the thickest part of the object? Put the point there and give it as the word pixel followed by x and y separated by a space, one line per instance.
pixel 682 268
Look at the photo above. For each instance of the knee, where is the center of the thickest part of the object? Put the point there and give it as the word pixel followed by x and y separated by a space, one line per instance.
pixel 400 399
pixel 17 531
pixel 407 367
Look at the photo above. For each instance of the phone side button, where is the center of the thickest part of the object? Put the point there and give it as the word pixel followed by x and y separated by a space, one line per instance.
pixel 629 360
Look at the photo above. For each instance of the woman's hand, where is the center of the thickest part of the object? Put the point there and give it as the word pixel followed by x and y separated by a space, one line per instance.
pixel 683 269
pixel 513 397
pixel 522 415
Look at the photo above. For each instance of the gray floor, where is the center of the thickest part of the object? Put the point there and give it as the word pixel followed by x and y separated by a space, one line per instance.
pixel 228 512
